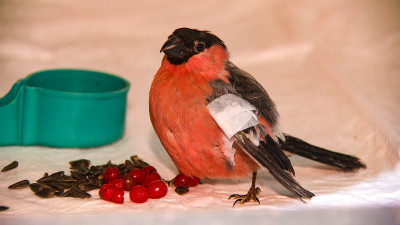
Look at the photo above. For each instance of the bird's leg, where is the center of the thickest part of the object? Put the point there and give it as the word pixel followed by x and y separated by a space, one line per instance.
pixel 251 195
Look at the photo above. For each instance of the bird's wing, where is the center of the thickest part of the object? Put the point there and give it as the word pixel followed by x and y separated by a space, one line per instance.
pixel 265 150
pixel 249 89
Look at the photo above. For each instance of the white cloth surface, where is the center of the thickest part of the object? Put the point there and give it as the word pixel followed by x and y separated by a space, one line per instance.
pixel 332 68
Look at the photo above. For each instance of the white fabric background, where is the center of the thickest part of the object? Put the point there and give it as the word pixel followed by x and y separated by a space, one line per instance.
pixel 332 67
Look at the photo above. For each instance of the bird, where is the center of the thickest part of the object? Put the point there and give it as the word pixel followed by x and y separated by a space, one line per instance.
pixel 217 121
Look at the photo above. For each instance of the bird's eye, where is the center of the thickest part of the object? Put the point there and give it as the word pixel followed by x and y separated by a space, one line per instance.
pixel 200 46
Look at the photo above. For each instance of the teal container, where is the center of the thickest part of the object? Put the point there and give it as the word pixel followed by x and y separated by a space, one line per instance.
pixel 64 108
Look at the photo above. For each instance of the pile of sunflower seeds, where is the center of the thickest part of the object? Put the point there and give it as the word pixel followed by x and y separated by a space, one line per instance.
pixel 82 178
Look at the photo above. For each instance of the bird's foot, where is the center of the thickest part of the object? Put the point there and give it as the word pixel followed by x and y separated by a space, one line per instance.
pixel 251 195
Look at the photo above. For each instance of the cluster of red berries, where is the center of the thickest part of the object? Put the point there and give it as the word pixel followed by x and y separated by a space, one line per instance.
pixel 141 183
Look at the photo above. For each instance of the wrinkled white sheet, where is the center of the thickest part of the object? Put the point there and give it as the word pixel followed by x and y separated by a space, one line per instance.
pixel 332 68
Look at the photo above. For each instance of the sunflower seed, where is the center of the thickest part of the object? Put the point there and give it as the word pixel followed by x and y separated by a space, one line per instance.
pixel 97 173
pixel 83 170
pixel 108 164
pixel 182 190
pixel 97 182
pixel 120 166
pixel 76 164
pixel 77 175
pixel 80 194
pixel 128 162
pixel 10 166
pixel 3 208
pixel 86 186
pixel 19 184
pixel 66 179
pixel 45 193
pixel 57 174
pixel 67 193
pixel 128 168
pixel 47 179
pixel 76 193
pixel 65 185
pixel 138 162
pixel 58 189
pixel 36 187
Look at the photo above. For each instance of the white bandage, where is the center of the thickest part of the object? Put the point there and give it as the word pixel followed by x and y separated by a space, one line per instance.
pixel 232 113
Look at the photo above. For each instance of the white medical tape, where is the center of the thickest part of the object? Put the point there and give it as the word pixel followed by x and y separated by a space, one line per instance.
pixel 232 113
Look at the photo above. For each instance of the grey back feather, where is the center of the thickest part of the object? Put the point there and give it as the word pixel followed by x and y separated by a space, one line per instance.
pixel 247 87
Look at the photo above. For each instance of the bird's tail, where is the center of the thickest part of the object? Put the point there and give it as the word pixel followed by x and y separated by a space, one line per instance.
pixel 304 149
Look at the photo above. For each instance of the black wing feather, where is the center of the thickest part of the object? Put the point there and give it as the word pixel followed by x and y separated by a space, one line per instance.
pixel 265 154
pixel 277 154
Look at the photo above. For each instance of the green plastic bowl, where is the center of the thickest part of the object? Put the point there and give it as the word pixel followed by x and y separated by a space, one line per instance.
pixel 64 108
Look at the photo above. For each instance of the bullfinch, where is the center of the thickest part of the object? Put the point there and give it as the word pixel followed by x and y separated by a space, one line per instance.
pixel 216 121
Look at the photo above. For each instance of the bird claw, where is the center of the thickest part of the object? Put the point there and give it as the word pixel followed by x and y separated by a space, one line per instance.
pixel 251 195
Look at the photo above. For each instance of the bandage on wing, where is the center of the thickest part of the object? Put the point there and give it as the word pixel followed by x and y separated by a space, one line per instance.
pixel 232 113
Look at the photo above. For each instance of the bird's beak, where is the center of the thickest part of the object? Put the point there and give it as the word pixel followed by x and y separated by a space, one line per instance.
pixel 173 48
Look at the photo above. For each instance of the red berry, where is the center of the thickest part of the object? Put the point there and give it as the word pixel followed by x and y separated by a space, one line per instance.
pixel 107 192
pixel 155 175
pixel 139 194
pixel 138 175
pixel 128 178
pixel 194 181
pixel 111 173
pixel 157 189
pixel 182 181
pixel 152 177
pixel 118 196
pixel 149 169
pixel 119 183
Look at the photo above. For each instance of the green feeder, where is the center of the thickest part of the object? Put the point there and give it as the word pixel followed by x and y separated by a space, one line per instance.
pixel 64 108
